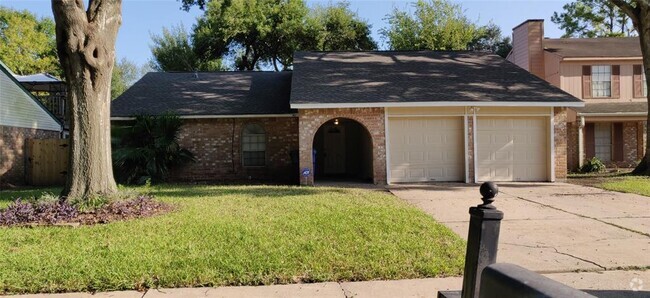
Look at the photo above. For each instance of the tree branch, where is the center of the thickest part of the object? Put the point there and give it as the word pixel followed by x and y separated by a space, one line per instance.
pixel 628 9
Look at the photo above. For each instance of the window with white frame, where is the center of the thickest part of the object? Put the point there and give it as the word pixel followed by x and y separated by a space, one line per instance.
pixel 601 80
pixel 253 146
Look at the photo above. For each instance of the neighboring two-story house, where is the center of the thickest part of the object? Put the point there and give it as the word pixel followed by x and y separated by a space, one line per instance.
pixel 606 73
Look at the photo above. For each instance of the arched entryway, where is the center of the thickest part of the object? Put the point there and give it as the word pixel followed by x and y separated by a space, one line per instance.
pixel 342 151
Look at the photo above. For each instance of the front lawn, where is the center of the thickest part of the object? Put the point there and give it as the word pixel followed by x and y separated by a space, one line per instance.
pixel 229 235
pixel 630 184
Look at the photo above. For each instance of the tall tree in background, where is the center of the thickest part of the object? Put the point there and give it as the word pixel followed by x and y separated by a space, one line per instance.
pixel 489 39
pixel 27 43
pixel 174 51
pixel 124 74
pixel 435 25
pixel 639 12
pixel 337 28
pixel 266 33
pixel 85 42
pixel 593 18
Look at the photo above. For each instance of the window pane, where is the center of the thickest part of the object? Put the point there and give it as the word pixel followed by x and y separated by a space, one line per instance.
pixel 253 145
pixel 601 80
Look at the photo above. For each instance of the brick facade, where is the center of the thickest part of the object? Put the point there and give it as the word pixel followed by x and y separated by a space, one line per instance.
pixel 561 137
pixel 13 153
pixel 216 144
pixel 372 119
pixel 633 144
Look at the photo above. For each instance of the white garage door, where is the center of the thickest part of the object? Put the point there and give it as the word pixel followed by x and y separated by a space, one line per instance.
pixel 426 149
pixel 512 149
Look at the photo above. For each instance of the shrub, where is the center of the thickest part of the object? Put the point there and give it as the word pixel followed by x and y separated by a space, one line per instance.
pixel 148 149
pixel 593 165
pixel 49 212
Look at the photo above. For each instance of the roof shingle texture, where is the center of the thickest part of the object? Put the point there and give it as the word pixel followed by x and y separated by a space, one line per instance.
pixel 614 108
pixel 594 47
pixel 417 76
pixel 214 93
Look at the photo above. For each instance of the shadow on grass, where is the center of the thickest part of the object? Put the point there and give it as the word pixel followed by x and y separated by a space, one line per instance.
pixel 188 191
pixel 10 195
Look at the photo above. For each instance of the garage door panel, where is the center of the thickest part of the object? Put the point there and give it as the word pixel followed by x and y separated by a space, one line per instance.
pixel 512 149
pixel 434 149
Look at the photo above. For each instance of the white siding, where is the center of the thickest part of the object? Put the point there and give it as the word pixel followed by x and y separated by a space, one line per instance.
pixel 18 109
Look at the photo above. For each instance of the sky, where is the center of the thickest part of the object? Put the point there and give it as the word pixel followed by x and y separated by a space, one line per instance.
pixel 141 18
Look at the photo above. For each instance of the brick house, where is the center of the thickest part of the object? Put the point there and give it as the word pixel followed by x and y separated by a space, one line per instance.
pixel 607 74
pixel 381 117
pixel 22 117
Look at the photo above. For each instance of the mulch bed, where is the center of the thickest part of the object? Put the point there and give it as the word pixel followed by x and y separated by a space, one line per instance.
pixel 61 213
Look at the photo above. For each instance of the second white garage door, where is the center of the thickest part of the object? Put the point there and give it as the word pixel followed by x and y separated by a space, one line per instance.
pixel 512 149
pixel 426 149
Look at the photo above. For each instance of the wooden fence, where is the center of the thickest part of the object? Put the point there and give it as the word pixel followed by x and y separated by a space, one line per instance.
pixel 47 162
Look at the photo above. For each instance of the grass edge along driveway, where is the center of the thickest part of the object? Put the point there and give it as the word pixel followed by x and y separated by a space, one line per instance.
pixel 235 235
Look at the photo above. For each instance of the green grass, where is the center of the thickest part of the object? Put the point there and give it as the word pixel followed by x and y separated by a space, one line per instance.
pixel 230 235
pixel 630 184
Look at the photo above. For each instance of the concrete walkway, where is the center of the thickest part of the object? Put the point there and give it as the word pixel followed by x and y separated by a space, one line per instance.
pixel 551 228
pixel 617 284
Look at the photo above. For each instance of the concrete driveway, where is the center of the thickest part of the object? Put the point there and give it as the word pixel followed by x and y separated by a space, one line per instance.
pixel 550 228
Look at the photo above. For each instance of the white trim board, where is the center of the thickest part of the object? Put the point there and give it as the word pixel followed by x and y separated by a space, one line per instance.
pixel 222 116
pixel 435 104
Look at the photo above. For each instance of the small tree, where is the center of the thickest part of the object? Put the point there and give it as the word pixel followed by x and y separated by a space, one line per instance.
pixel 85 42
pixel 639 12
pixel 148 149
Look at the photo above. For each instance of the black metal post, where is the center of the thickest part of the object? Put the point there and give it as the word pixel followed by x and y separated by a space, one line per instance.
pixel 482 241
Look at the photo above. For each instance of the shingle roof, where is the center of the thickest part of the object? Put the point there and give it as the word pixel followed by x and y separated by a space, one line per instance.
pixel 214 93
pixel 614 108
pixel 416 76
pixel 594 47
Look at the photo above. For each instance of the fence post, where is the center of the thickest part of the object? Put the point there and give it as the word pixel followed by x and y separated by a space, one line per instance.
pixel 482 240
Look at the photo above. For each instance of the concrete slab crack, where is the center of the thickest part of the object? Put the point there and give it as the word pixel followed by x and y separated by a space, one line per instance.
pixel 579 258
pixel 145 293
pixel 580 215
pixel 345 293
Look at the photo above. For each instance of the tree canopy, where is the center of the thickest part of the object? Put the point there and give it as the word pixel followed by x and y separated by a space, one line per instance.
pixel 489 39
pixel 28 43
pixel 125 74
pixel 173 51
pixel 259 33
pixel 593 18
pixel 435 25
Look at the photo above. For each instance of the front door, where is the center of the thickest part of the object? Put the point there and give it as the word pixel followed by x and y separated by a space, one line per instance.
pixel 334 150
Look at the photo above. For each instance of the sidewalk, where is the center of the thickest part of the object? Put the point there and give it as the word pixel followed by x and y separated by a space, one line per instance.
pixel 601 284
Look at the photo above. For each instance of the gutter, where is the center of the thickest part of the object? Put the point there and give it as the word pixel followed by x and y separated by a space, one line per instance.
pixel 218 116
pixel 436 104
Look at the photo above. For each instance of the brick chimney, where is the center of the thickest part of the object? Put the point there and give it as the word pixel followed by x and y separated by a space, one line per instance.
pixel 527 48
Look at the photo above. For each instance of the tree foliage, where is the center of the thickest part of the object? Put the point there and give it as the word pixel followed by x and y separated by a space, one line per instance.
pixel 593 18
pixel 148 149
pixel 336 28
pixel 435 25
pixel 489 39
pixel 258 33
pixel 173 51
pixel 28 43
pixel 125 73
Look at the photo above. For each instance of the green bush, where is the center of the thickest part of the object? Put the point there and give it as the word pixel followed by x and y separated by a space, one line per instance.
pixel 593 165
pixel 145 151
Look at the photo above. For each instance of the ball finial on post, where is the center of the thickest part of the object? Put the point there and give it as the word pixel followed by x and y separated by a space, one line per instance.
pixel 488 190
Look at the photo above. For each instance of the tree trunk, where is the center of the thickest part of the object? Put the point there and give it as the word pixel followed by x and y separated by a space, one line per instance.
pixel 643 27
pixel 86 47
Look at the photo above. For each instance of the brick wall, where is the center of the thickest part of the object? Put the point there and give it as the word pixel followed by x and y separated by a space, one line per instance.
pixel 216 144
pixel 13 153
pixel 573 157
pixel 371 118
pixel 561 133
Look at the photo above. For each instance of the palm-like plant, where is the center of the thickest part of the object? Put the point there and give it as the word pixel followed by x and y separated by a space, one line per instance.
pixel 148 149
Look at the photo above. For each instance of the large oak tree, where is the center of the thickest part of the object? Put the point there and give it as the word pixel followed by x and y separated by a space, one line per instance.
pixel 639 12
pixel 85 40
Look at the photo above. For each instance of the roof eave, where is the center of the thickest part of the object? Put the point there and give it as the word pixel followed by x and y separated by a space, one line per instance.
pixel 436 104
